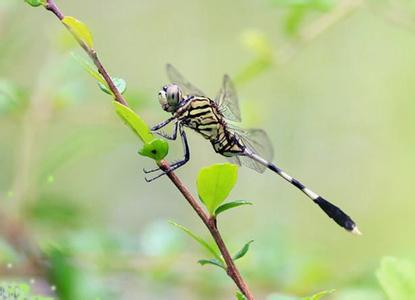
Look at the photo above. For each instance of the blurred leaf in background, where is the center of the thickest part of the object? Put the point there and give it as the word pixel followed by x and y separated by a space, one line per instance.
pixel 12 97
pixel 257 43
pixel 397 278
pixel 299 10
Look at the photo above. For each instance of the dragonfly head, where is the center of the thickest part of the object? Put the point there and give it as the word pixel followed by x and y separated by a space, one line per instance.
pixel 170 97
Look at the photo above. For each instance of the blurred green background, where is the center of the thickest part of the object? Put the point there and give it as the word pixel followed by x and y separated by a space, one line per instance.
pixel 332 82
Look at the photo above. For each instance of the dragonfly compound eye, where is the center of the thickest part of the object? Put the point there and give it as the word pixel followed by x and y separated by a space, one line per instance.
pixel 173 94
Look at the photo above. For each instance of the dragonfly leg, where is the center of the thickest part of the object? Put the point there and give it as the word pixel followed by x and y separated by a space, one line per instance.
pixel 162 124
pixel 167 136
pixel 177 164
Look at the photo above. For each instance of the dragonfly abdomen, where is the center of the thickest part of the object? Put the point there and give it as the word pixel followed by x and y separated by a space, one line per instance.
pixel 227 143
pixel 334 212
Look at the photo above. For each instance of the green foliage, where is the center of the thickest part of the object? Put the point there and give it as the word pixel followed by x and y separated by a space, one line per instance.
pixel 90 69
pixel 119 83
pixel 240 296
pixel 214 183
pixel 201 241
pixel 134 121
pixel 157 149
pixel 212 261
pixel 154 148
pixel 54 210
pixel 36 3
pixel 397 278
pixel 7 253
pixel 62 273
pixel 259 45
pixel 12 98
pixel 79 30
pixel 298 10
pixel 241 253
pixel 319 295
pixel 230 205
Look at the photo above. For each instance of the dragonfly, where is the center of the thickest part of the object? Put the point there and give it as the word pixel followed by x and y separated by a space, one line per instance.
pixel 214 120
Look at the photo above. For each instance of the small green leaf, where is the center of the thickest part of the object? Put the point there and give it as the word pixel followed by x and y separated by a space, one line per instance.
pixel 243 251
pixel 319 295
pixel 157 149
pixel 212 261
pixel 240 296
pixel 214 184
pixel 134 121
pixel 79 30
pixel 230 205
pixel 89 68
pixel 36 3
pixel 201 241
pixel 397 278
pixel 119 83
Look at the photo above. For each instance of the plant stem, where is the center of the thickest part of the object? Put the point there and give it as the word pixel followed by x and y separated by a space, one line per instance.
pixel 210 222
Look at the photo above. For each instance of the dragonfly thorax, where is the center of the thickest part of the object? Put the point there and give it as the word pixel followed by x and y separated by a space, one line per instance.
pixel 170 97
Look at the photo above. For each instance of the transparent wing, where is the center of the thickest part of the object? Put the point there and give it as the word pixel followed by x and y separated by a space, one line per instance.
pixel 177 78
pixel 258 142
pixel 234 160
pixel 227 100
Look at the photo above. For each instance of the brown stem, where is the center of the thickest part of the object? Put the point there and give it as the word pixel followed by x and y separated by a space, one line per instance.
pixel 210 222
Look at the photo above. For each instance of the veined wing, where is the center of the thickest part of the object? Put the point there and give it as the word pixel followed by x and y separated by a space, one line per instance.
pixel 227 100
pixel 177 78
pixel 258 142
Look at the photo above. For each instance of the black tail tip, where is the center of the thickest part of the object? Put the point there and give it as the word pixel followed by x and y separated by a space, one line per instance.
pixel 337 215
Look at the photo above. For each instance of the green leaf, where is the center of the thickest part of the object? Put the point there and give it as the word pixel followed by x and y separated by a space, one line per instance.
pixel 79 30
pixel 230 205
pixel 397 278
pixel 134 121
pixel 319 295
pixel 240 296
pixel 214 184
pixel 62 272
pixel 157 149
pixel 91 69
pixel 257 42
pixel 201 241
pixel 54 210
pixel 119 83
pixel 212 261
pixel 36 3
pixel 243 251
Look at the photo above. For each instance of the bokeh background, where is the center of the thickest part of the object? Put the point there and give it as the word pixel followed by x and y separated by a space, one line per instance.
pixel 331 81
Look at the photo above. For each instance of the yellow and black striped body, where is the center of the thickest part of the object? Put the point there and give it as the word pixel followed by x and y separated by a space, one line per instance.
pixel 203 115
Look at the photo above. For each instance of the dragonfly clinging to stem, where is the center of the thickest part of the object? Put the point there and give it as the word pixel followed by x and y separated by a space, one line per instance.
pixel 191 108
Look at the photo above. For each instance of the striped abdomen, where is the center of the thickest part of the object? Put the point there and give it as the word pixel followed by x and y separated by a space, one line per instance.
pixel 227 143
pixel 201 114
